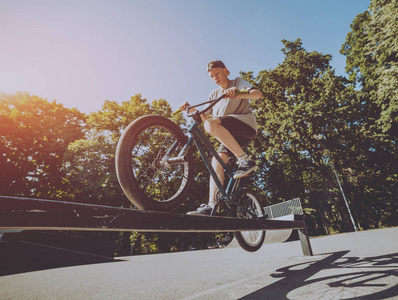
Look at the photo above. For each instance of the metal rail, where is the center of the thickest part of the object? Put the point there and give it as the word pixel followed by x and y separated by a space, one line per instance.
pixel 291 207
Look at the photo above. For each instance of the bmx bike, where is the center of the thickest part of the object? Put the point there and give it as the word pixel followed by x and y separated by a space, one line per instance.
pixel 155 168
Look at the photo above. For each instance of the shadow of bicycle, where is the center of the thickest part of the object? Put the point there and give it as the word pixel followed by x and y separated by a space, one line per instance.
pixel 335 277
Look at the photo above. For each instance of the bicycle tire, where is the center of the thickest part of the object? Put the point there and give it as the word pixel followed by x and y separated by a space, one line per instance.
pixel 146 182
pixel 249 240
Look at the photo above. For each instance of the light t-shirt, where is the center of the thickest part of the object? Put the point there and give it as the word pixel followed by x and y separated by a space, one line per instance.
pixel 237 108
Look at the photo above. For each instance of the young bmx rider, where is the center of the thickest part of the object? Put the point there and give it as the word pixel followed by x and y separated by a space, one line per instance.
pixel 233 124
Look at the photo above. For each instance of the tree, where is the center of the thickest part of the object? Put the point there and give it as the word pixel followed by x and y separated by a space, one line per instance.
pixel 34 136
pixel 310 117
pixel 371 51
pixel 303 101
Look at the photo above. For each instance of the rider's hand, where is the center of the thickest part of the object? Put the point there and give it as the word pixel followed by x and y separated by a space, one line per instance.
pixel 230 93
pixel 184 105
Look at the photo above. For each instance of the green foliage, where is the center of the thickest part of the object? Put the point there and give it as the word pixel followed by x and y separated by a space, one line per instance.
pixel 307 117
pixel 149 243
pixel 34 136
pixel 371 51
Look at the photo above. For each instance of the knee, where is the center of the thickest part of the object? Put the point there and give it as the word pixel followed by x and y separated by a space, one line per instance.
pixel 207 126
pixel 211 125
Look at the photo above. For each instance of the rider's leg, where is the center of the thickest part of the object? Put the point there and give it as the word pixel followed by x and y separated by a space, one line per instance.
pixel 207 209
pixel 244 133
pixel 214 127
pixel 220 173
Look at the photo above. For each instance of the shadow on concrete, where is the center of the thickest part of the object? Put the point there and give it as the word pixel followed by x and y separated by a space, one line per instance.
pixel 367 272
pixel 20 257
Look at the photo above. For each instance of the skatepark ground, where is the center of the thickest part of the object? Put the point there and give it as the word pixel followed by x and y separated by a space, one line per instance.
pixel 357 265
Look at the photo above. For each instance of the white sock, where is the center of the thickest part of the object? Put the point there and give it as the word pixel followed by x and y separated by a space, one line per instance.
pixel 244 156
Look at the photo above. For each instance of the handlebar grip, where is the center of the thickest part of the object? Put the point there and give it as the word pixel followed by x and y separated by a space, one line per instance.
pixel 176 111
pixel 241 92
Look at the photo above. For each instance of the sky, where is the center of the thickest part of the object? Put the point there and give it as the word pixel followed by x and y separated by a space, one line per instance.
pixel 83 52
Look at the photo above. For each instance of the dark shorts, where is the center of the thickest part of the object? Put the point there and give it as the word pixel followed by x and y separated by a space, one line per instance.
pixel 242 132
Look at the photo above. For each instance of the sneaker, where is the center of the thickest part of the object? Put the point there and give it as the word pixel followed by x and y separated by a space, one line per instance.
pixel 245 167
pixel 203 209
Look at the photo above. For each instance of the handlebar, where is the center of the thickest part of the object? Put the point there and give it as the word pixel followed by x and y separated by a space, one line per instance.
pixel 213 102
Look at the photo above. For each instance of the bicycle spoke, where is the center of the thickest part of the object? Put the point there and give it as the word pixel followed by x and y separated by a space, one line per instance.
pixel 151 146
pixel 248 208
pixel 144 175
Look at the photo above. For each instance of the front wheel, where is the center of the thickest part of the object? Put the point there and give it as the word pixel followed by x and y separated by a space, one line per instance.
pixel 249 207
pixel 146 180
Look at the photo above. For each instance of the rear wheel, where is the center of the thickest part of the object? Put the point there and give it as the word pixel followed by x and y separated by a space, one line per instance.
pixel 250 207
pixel 147 181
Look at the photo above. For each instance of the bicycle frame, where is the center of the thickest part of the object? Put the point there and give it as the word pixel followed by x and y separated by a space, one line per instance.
pixel 155 169
pixel 197 137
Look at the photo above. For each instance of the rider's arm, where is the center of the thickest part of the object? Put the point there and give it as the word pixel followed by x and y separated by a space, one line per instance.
pixel 183 107
pixel 253 94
